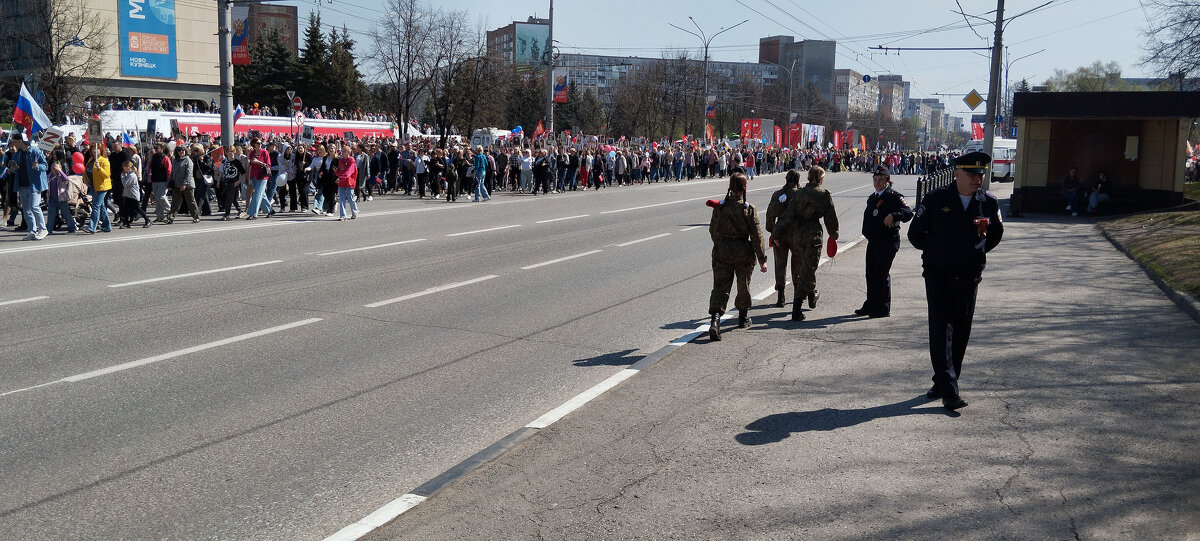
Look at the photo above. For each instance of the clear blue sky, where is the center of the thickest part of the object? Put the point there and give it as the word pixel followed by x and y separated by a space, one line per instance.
pixel 1072 32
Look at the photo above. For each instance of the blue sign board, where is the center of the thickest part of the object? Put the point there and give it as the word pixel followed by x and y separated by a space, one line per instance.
pixel 1012 132
pixel 147 38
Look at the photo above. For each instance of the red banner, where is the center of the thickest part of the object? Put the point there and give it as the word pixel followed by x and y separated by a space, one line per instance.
pixel 751 128
pixel 976 131
pixel 837 139
pixel 778 136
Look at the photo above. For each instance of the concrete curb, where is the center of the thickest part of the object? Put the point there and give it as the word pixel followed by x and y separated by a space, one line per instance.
pixel 1185 302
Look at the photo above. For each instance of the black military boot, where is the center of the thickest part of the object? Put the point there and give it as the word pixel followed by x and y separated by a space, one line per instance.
pixel 744 319
pixel 812 298
pixel 714 328
pixel 780 302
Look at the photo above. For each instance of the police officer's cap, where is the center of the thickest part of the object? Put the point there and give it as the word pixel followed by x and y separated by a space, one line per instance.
pixel 973 162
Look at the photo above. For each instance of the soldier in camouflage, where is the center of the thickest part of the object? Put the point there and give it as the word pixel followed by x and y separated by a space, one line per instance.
pixel 737 244
pixel 778 225
pixel 808 206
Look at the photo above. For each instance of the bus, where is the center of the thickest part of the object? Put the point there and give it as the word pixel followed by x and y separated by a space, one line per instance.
pixel 1004 157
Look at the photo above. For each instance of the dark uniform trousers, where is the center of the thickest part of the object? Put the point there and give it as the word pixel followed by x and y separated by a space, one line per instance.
pixel 951 308
pixel 880 254
pixel 781 251
pixel 731 257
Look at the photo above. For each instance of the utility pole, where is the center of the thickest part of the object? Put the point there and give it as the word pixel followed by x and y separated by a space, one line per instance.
pixel 706 40
pixel 225 47
pixel 989 136
pixel 550 74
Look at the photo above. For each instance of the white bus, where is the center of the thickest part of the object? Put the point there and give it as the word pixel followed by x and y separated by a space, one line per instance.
pixel 1004 157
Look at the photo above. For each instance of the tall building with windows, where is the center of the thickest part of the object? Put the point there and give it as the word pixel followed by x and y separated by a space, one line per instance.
pixel 813 60
pixel 851 94
pixel 894 94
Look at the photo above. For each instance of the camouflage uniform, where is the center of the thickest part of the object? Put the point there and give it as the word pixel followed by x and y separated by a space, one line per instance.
pixel 807 207
pixel 779 223
pixel 737 243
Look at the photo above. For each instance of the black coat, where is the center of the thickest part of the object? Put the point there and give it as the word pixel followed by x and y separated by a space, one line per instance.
pixel 890 202
pixel 954 241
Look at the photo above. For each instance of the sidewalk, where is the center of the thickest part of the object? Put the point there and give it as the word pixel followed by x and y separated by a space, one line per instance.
pixel 1083 390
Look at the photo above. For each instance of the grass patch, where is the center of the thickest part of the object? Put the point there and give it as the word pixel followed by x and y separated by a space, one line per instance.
pixel 1191 190
pixel 1168 243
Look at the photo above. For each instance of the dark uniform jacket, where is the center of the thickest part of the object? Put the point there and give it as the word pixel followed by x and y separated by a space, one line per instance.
pixel 889 202
pixel 736 233
pixel 777 206
pixel 952 242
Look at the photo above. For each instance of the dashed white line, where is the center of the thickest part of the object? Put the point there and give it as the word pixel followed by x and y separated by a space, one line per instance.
pixel 167 356
pixel 198 273
pixel 560 260
pixel 483 230
pixel 632 242
pixel 370 247
pixel 431 291
pixel 561 219
pixel 19 301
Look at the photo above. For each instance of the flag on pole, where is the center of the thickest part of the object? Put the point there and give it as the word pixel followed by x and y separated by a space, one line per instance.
pixel 976 131
pixel 127 141
pixel 539 131
pixel 238 113
pixel 29 114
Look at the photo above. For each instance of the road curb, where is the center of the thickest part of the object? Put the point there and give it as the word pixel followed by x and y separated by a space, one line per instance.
pixel 1185 302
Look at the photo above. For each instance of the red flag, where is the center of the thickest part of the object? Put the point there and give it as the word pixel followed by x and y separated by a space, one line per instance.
pixel 539 131
pixel 976 131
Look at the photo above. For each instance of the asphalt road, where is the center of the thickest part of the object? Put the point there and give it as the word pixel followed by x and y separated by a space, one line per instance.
pixel 285 377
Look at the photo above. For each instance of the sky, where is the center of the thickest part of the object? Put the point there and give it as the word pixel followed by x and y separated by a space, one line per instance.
pixel 1066 34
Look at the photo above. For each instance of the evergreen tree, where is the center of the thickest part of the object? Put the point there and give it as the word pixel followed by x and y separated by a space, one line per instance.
pixel 346 87
pixel 271 73
pixel 314 73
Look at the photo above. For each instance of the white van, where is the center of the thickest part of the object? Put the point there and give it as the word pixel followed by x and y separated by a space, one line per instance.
pixel 1004 157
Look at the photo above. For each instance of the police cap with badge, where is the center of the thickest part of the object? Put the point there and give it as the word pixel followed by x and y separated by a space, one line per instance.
pixel 975 163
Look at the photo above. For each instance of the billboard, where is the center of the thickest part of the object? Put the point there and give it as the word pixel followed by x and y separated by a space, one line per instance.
pixel 530 43
pixel 146 33
pixel 241 35
pixel 281 19
pixel 560 85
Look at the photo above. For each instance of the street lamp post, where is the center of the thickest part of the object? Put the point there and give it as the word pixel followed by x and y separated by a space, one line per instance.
pixel 791 79
pixel 1007 66
pixel 706 40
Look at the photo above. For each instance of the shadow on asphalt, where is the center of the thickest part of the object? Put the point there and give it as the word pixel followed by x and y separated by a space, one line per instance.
pixel 777 427
pixel 783 320
pixel 620 358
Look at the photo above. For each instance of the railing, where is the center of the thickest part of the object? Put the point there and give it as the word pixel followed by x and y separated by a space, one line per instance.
pixel 933 181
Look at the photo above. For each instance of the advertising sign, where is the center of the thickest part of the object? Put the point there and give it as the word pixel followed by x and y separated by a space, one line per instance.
pixel 560 85
pixel 710 107
pixel 241 35
pixel 530 44
pixel 147 38
pixel 282 20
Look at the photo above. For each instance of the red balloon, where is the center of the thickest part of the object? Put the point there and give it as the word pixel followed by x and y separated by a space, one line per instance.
pixel 77 157
pixel 77 167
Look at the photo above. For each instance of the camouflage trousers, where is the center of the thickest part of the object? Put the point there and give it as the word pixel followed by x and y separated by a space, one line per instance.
pixel 731 259
pixel 805 257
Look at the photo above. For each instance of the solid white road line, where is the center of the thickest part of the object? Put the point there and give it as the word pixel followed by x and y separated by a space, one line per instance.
pixel 561 259
pixel 483 230
pixel 561 219
pixel 632 242
pixel 431 291
pixel 853 189
pixel 690 228
pixel 19 301
pixel 169 355
pixel 582 398
pixel 381 516
pixel 370 247
pixel 198 273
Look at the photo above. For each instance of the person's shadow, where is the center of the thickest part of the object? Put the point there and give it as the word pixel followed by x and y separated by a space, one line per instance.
pixel 777 427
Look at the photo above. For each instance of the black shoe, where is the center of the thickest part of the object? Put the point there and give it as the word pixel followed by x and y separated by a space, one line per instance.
pixel 714 328
pixel 953 403
pixel 744 320
pixel 797 314
pixel 933 393
pixel 780 302
pixel 861 312
pixel 812 298
pixel 879 314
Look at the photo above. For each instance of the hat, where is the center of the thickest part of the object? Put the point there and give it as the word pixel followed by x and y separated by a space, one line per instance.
pixel 19 134
pixel 881 170
pixel 973 162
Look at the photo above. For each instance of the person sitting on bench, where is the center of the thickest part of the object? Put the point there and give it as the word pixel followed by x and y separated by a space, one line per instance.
pixel 1099 192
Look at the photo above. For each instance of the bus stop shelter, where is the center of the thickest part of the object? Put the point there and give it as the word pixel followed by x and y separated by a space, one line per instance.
pixel 1138 138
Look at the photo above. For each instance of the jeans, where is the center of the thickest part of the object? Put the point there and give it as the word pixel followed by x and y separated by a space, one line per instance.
pixel 346 199
pixel 526 179
pixel 99 211
pixel 481 192
pixel 61 210
pixel 268 198
pixel 1095 199
pixel 161 208
pixel 260 188
pixel 31 209
pixel 572 179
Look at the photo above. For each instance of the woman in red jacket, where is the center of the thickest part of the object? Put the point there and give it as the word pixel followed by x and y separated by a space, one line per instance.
pixel 347 175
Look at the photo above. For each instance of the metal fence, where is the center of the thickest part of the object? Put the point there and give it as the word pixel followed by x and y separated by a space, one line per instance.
pixel 933 181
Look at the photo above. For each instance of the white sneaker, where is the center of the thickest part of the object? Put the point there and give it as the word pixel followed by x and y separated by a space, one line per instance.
pixel 41 234
pixel 369 198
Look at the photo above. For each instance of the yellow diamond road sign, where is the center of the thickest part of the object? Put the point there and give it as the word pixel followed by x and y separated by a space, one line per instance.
pixel 973 100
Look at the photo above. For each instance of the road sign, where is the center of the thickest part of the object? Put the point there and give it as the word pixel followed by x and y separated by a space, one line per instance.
pixel 866 78
pixel 291 94
pixel 297 104
pixel 999 119
pixel 1012 132
pixel 973 100
pixel 978 119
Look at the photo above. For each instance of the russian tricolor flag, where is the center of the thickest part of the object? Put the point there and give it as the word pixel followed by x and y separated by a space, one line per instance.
pixel 127 141
pixel 29 114
pixel 238 113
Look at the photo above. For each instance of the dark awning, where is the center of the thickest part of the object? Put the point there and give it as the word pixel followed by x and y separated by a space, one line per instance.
pixel 1106 104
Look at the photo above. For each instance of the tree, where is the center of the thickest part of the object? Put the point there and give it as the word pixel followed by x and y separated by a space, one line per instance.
pixel 314 83
pixel 270 75
pixel 1172 41
pixel 402 46
pixel 346 87
pixel 62 49
pixel 1098 77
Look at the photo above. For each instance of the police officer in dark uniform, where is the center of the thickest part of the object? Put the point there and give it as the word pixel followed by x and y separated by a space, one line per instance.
pixel 886 210
pixel 737 244
pixel 955 227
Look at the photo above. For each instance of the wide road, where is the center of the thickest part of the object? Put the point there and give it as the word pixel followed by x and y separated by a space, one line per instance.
pixel 283 378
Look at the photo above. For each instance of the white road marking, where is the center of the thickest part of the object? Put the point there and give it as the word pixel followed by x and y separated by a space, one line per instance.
pixel 198 273
pixel 561 219
pixel 431 291
pixel 19 301
pixel 690 228
pixel 580 399
pixel 853 189
pixel 169 355
pixel 561 259
pixel 483 230
pixel 381 516
pixel 632 242
pixel 322 254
